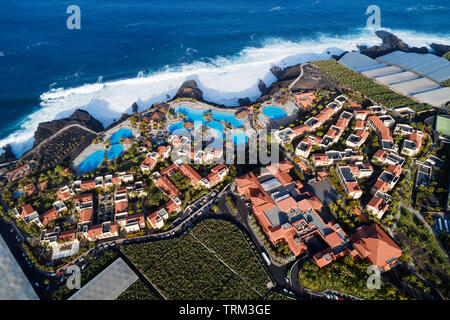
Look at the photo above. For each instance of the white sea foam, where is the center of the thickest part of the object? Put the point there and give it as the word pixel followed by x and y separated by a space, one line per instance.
pixel 223 80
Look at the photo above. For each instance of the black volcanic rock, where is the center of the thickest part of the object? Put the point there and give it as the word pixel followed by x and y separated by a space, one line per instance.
pixel 244 101
pixel 7 155
pixel 390 43
pixel 262 87
pixel 440 49
pixel 189 89
pixel 134 107
pixel 276 71
pixel 47 129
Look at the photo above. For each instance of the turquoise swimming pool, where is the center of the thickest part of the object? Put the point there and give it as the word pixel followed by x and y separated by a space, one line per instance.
pixel 119 134
pixel 239 138
pixel 177 126
pixel 114 151
pixel 196 116
pixel 216 126
pixel 92 161
pixel 228 117
pixel 274 112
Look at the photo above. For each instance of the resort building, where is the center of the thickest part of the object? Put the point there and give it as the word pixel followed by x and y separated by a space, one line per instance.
pixel 190 173
pixel 387 142
pixel 412 145
pixel 284 136
pixel 102 231
pixel 134 223
pixel 28 214
pixel 121 205
pixel 388 158
pixel 84 206
pixel 167 187
pixel 387 179
pixel 403 129
pixel 66 244
pixel 218 173
pixel 360 125
pixel 48 216
pixel 305 100
pixel 59 206
pixel 356 140
pixel 18 173
pixel 334 133
pixel 164 151
pixel 64 193
pixel 304 147
pixel 373 244
pixel 332 156
pixel 157 218
pixel 378 206
pixel 286 213
pixel 362 114
pixel 105 206
pixel 349 182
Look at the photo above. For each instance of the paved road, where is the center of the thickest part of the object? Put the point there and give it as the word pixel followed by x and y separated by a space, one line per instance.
pixel 299 77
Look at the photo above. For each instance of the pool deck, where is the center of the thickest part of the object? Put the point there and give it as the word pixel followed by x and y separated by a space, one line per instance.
pixel 289 107
pixel 101 146
pixel 246 128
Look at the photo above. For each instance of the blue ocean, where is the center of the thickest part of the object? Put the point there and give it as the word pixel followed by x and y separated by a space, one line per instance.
pixel 142 51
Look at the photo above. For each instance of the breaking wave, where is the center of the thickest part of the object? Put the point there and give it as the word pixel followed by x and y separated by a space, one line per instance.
pixel 223 80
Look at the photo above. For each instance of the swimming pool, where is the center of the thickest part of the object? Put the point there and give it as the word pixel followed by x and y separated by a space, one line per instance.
pixel 17 194
pixel 239 138
pixel 121 133
pixel 114 151
pixel 216 126
pixel 228 117
pixel 274 112
pixel 92 161
pixel 196 116
pixel 176 126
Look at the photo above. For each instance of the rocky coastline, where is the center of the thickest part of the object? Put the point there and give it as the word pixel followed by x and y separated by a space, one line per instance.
pixel 312 79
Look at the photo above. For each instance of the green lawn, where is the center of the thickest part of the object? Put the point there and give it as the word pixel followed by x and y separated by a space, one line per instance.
pixel 347 276
pixel 419 234
pixel 443 125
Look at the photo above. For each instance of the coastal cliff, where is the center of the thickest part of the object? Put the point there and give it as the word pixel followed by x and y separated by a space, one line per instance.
pixel 189 89
pixel 7 154
pixel 390 43
pixel 81 117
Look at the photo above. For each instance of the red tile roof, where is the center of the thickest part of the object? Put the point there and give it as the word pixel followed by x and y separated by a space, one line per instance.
pixel 167 186
pixel 48 216
pixel 373 243
pixel 190 173
pixel 85 215
pixel 383 130
pixel 380 155
pixel 26 210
